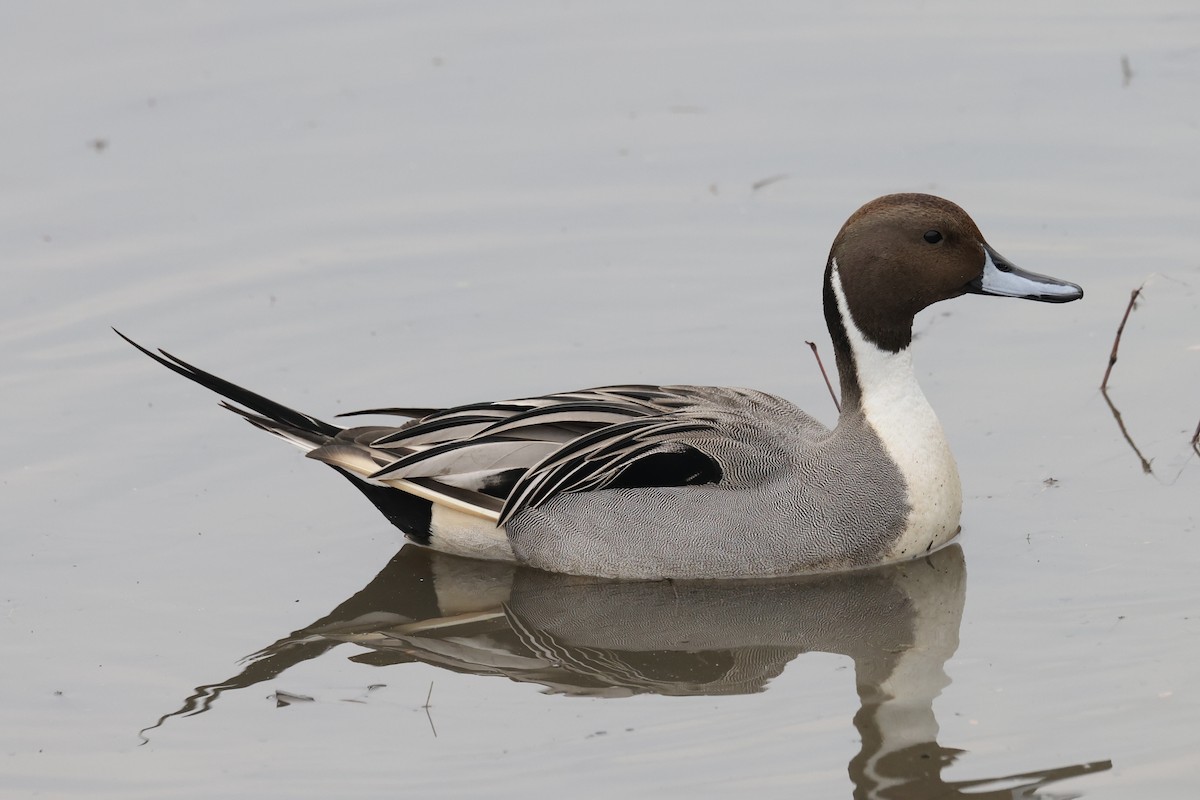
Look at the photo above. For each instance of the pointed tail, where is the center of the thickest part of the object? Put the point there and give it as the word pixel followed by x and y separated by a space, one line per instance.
pixel 300 429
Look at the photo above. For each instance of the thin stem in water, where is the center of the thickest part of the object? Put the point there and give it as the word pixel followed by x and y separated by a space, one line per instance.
pixel 825 375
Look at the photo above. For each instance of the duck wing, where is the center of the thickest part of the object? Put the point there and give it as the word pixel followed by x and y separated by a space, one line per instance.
pixel 520 453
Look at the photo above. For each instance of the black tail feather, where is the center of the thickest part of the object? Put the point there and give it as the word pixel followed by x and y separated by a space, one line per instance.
pixel 281 429
pixel 231 391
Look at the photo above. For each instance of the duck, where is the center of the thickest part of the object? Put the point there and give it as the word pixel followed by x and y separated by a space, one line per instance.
pixel 646 482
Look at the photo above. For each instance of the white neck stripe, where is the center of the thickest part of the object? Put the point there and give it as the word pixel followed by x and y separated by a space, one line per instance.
pixel 897 410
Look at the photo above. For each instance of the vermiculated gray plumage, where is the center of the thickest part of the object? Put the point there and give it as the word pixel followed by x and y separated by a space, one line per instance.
pixel 794 496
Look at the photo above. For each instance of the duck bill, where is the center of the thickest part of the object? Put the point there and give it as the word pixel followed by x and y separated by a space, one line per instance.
pixel 1002 278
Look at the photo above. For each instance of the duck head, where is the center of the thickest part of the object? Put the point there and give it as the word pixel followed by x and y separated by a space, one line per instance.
pixel 903 252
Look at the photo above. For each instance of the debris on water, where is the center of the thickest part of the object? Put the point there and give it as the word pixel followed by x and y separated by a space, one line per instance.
pixel 765 182
pixel 283 698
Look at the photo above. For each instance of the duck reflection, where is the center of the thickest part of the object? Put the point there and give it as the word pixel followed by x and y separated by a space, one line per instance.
pixel 593 637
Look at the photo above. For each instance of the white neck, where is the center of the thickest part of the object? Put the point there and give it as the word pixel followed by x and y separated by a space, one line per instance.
pixel 895 407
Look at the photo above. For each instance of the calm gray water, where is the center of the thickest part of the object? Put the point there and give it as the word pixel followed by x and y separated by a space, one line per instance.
pixel 360 204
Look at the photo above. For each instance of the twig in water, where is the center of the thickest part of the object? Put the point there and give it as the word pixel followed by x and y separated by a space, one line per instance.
pixel 429 716
pixel 1112 357
pixel 1146 468
pixel 1196 439
pixel 825 375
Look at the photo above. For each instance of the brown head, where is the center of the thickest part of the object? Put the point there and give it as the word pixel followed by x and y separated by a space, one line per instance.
pixel 903 252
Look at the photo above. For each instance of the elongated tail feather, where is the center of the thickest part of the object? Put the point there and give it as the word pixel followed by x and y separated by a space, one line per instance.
pixel 231 391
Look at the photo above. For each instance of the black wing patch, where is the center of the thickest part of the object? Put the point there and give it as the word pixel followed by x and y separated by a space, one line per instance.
pixel 685 466
pixel 600 459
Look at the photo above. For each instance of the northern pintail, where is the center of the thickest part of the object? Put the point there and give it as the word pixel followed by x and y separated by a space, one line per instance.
pixel 696 481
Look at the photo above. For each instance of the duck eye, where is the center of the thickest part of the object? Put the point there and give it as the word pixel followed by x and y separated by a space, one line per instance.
pixel 933 237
